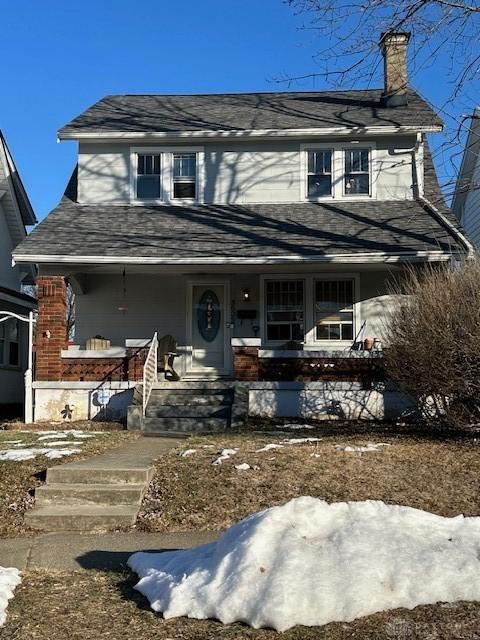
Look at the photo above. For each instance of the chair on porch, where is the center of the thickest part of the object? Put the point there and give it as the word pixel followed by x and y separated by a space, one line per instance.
pixel 167 352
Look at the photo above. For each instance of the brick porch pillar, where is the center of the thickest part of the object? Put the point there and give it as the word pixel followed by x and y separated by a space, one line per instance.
pixel 51 330
pixel 245 363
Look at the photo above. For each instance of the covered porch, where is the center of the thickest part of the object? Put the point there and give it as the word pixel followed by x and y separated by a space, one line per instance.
pixel 274 328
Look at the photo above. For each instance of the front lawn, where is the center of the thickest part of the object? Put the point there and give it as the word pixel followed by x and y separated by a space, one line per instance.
pixel 18 478
pixel 189 492
pixel 88 605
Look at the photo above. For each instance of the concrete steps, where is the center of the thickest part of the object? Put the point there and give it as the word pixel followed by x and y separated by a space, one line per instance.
pixel 100 493
pixel 84 517
pixel 188 407
pixel 86 493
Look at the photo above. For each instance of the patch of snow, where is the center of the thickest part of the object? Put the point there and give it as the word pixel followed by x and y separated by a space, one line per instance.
pixel 188 452
pixel 22 444
pixel 370 446
pixel 9 579
pixel 225 454
pixel 63 443
pixel 243 467
pixel 315 455
pixel 309 563
pixel 11 442
pixel 75 433
pixel 300 440
pixel 296 427
pixel 12 455
pixel 269 447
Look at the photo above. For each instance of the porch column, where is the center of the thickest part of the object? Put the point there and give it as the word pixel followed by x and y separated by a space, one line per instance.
pixel 51 332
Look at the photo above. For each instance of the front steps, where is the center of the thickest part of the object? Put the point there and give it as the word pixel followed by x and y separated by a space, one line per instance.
pixel 184 407
pixel 100 493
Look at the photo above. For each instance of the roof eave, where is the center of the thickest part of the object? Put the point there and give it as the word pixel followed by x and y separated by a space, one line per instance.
pixel 67 134
pixel 349 258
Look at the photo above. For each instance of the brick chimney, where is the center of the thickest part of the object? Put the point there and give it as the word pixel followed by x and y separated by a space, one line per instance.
pixel 394 50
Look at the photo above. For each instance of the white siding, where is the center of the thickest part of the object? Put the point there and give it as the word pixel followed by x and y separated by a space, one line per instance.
pixel 471 211
pixel 241 172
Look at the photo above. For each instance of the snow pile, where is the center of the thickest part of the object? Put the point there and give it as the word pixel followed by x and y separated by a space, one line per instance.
pixel 9 579
pixel 225 454
pixel 187 452
pixel 75 433
pixel 269 446
pixel 243 467
pixel 296 427
pixel 20 455
pixel 310 563
pixel 300 440
pixel 370 446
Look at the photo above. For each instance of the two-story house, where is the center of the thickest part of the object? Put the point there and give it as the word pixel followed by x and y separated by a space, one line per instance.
pixel 260 230
pixel 16 214
pixel 466 199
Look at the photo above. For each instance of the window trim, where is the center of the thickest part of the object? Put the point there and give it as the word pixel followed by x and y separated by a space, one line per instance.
pixel 281 278
pixel 338 169
pixel 5 356
pixel 309 341
pixel 166 175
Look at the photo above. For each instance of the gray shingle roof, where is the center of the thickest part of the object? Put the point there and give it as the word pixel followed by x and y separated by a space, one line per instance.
pixel 214 231
pixel 248 111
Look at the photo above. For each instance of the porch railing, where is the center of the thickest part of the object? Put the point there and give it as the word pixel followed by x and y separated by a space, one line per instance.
pixel 150 371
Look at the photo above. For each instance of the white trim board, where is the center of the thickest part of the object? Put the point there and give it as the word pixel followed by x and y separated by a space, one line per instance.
pixel 248 133
pixel 347 258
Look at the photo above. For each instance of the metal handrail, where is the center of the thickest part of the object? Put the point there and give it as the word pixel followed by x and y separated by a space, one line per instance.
pixel 150 371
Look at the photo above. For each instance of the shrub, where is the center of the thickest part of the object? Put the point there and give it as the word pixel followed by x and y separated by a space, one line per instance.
pixel 433 341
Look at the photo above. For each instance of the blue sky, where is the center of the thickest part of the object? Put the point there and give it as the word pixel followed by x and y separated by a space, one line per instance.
pixel 60 57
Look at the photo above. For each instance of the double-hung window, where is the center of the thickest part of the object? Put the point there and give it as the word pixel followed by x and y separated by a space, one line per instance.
pixel 357 172
pixel 9 343
pixel 184 176
pixel 284 301
pixel 148 179
pixel 319 173
pixel 334 309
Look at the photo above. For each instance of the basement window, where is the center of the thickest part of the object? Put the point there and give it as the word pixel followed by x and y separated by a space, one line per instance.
pixel 148 186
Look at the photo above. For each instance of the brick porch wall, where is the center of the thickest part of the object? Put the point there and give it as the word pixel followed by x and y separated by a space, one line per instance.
pixel 246 364
pixel 51 330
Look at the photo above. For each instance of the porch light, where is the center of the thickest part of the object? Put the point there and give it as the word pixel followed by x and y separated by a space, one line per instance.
pixel 246 295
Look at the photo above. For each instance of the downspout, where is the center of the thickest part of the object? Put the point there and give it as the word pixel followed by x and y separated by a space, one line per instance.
pixel 443 220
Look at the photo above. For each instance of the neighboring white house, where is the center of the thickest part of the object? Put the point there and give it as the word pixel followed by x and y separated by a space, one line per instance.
pixel 260 230
pixel 16 214
pixel 466 200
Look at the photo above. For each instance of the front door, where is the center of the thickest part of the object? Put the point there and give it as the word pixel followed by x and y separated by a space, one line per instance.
pixel 208 329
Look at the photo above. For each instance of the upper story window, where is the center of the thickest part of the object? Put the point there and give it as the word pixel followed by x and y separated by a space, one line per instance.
pixel 148 186
pixel 164 175
pixel 357 171
pixel 319 173
pixel 337 171
pixel 184 175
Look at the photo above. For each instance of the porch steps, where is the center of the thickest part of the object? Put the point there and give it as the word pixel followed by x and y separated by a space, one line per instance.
pixel 188 407
pixel 99 493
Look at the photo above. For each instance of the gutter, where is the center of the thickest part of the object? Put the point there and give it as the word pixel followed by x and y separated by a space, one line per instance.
pixel 443 220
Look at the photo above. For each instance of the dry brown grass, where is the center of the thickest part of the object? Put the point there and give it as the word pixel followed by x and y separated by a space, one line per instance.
pixel 92 605
pixel 441 476
pixel 19 479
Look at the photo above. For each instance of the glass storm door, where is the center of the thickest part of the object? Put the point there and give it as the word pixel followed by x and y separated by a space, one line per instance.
pixel 208 328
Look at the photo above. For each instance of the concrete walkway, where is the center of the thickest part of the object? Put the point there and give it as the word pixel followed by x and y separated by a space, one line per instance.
pixel 73 551
pixel 103 492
